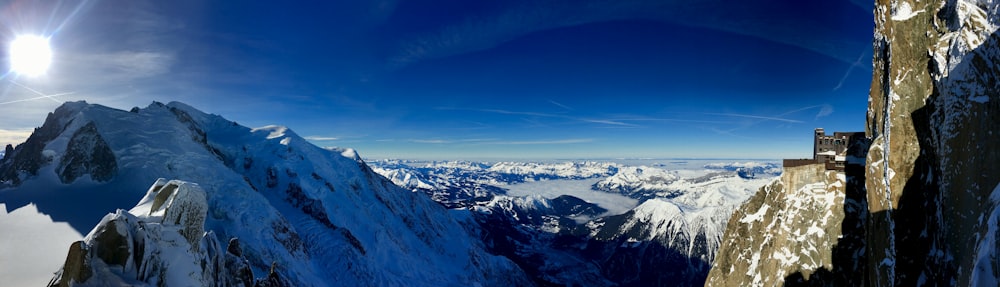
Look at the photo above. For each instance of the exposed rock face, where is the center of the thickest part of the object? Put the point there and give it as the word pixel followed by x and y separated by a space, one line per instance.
pixel 29 156
pixel 934 114
pixel 794 229
pixel 806 228
pixel 7 151
pixel 931 215
pixel 87 153
pixel 160 242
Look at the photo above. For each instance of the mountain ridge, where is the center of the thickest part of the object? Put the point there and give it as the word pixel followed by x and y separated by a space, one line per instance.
pixel 320 215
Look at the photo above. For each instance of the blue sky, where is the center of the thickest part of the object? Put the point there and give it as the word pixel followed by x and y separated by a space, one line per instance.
pixel 452 79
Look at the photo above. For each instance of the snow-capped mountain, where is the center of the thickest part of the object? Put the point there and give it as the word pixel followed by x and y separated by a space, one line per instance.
pixel 748 169
pixel 450 191
pixel 671 238
pixel 564 170
pixel 681 223
pixel 640 182
pixel 643 182
pixel 313 216
pixel 498 173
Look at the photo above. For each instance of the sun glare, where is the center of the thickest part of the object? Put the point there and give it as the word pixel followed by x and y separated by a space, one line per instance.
pixel 30 55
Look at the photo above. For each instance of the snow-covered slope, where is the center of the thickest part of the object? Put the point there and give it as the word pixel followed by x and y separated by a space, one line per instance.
pixel 320 215
pixel 671 238
pixel 682 224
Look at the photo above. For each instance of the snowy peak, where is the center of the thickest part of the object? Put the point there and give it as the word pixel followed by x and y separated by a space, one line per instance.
pixel 640 182
pixel 322 215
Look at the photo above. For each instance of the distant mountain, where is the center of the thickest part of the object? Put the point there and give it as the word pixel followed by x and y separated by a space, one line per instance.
pixel 669 239
pixel 307 215
pixel 499 173
pixel 749 167
pixel 643 182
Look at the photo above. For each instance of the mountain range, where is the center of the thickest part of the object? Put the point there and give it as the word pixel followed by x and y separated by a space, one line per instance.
pixel 170 187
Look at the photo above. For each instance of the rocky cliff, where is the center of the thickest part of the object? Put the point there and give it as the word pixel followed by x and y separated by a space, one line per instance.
pixel 930 215
pixel 934 110
pixel 160 242
pixel 804 225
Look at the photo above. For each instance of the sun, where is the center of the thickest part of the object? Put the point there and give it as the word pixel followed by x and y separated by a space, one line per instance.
pixel 30 55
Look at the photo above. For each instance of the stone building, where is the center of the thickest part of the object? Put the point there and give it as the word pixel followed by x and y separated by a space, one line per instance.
pixel 830 150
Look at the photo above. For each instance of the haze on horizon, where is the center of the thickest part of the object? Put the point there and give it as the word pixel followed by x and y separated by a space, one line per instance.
pixel 452 79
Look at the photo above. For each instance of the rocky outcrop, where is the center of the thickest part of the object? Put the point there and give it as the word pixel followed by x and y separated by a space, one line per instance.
pixel 934 113
pixel 317 215
pixel 803 227
pixel 160 242
pixel 932 193
pixel 28 157
pixel 87 154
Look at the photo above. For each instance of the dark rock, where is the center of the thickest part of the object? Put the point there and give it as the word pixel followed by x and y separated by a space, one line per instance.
pixel 112 247
pixel 273 279
pixel 27 157
pixel 8 151
pixel 87 153
pixel 234 247
pixel 76 268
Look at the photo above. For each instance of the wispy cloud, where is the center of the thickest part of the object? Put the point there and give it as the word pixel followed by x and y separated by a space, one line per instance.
pixel 606 122
pixel 645 119
pixel 431 141
pixel 856 64
pixel 612 122
pixel 39 97
pixel 543 142
pixel 825 110
pixel 560 105
pixel 136 64
pixel 755 117
pixel 447 141
pixel 321 138
pixel 489 30
pixel 485 141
